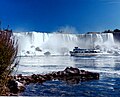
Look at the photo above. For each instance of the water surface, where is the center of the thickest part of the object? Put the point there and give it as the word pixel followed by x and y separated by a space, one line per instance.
pixel 107 86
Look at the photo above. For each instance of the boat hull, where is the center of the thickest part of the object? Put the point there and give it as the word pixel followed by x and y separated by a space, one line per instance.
pixel 85 54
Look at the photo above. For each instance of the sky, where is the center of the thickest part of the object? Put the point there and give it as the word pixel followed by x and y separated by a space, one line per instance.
pixel 50 15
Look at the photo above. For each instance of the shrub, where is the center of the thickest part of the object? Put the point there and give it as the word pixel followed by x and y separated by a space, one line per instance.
pixel 8 52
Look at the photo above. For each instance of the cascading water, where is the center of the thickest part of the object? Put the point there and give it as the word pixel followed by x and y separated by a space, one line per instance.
pixel 36 43
pixel 108 42
pixel 60 43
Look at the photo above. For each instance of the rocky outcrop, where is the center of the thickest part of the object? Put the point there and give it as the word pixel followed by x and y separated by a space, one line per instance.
pixel 70 75
pixel 116 36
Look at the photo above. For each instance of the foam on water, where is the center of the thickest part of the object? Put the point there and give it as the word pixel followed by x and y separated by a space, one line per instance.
pixel 107 65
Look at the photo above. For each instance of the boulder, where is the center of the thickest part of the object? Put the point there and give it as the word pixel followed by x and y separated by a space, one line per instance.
pixel 13 86
pixel 72 71
pixel 70 75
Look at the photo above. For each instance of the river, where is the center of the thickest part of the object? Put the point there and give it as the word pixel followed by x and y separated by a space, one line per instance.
pixel 107 66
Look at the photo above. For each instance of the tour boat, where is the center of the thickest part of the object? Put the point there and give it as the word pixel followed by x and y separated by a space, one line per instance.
pixel 85 52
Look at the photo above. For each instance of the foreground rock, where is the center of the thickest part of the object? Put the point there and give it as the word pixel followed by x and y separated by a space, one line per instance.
pixel 70 75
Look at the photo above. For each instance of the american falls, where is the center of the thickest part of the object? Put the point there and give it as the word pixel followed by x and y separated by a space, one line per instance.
pixel 38 43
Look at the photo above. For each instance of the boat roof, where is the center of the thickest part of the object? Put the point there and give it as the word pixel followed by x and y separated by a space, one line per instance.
pixel 76 48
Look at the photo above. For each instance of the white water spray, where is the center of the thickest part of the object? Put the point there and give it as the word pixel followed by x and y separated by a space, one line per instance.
pixel 37 43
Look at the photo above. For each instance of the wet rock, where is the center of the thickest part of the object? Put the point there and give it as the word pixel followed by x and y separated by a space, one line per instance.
pixel 20 86
pixel 48 76
pixel 72 71
pixel 60 73
pixel 28 52
pixel 74 80
pixel 70 75
pixel 38 49
pixel 28 80
pixel 13 86
pixel 47 53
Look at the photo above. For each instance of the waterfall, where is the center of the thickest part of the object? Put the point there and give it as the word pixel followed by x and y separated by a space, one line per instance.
pixel 37 43
pixel 110 38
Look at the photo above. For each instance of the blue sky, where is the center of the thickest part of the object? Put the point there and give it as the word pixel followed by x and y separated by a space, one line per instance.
pixel 50 15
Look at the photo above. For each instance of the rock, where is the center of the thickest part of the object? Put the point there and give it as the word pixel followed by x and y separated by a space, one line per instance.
pixel 60 73
pixel 70 75
pixel 72 71
pixel 38 49
pixel 28 52
pixel 20 86
pixel 47 53
pixel 13 86
pixel 74 80
pixel 28 80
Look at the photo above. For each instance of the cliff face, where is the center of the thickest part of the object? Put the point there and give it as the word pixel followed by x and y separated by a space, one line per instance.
pixel 116 36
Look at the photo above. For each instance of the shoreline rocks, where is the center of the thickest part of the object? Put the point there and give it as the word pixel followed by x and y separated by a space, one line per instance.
pixel 70 75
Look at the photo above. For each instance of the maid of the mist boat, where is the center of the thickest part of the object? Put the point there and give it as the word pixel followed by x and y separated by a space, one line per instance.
pixel 85 52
